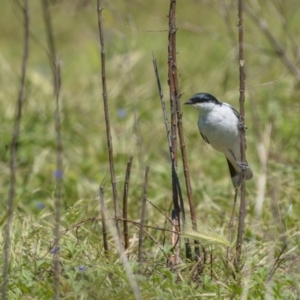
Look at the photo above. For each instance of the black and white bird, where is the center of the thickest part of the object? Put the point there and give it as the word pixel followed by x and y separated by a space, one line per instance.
pixel 218 125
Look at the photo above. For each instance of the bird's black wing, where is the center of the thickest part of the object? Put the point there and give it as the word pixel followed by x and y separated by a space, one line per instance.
pixel 205 138
pixel 236 177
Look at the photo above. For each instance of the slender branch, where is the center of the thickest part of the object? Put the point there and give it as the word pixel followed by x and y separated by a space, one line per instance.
pixel 175 109
pixel 83 222
pixel 13 154
pixel 107 122
pixel 157 208
pixel 166 121
pixel 173 95
pixel 125 198
pixel 242 128
pixel 174 80
pixel 279 49
pixel 143 215
pixel 103 220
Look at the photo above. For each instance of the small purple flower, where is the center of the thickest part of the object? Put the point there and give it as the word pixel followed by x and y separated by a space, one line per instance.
pixel 55 250
pixel 58 174
pixel 121 113
pixel 81 268
pixel 40 205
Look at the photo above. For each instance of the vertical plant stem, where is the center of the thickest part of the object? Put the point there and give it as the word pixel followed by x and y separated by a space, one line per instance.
pixel 242 211
pixel 143 216
pixel 107 122
pixel 13 154
pixel 174 171
pixel 187 182
pixel 125 199
pixel 172 80
pixel 257 17
pixel 103 221
pixel 174 91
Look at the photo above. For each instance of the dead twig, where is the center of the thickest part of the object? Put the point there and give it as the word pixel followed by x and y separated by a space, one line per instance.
pixel 242 129
pixel 103 220
pixel 107 122
pixel 13 153
pixel 279 49
pixel 168 131
pixel 143 215
pixel 125 198
pixel 173 98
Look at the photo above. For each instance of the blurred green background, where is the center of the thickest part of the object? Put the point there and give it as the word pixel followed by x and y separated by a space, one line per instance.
pixel 207 62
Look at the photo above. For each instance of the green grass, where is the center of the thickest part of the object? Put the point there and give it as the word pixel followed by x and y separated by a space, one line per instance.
pixel 207 61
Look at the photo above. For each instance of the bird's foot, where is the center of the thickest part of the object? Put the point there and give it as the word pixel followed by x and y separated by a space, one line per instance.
pixel 243 165
pixel 241 125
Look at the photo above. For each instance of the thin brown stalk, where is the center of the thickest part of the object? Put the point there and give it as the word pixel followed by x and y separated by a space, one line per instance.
pixel 175 212
pixel 175 259
pixel 176 95
pixel 103 221
pixel 125 198
pixel 88 220
pixel 157 208
pixel 143 215
pixel 153 239
pixel 168 131
pixel 173 95
pixel 242 128
pixel 187 180
pixel 279 49
pixel 231 222
pixel 107 122
pixel 13 154
pixel 175 108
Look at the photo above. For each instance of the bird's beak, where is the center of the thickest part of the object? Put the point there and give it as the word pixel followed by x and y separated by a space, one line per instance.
pixel 189 102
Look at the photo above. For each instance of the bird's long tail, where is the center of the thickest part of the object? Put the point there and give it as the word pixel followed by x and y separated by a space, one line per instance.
pixel 236 176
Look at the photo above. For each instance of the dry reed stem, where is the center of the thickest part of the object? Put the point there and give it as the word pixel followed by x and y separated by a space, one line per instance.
pixel 242 128
pixel 174 171
pixel 107 122
pixel 279 49
pixel 175 259
pixel 13 154
pixel 125 201
pixel 143 215
pixel 103 221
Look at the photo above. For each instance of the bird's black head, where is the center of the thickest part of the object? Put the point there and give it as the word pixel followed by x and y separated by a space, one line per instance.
pixel 202 98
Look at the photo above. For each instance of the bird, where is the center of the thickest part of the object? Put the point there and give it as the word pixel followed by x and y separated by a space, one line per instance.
pixel 218 123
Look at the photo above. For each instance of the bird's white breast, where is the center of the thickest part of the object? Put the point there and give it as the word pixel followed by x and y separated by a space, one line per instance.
pixel 218 124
